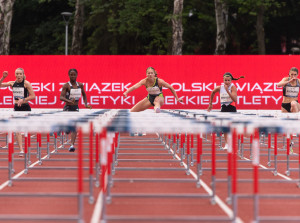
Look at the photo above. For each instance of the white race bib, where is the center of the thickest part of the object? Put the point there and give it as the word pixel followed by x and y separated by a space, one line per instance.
pixel 153 90
pixel 18 92
pixel 292 91
pixel 75 93
pixel 225 98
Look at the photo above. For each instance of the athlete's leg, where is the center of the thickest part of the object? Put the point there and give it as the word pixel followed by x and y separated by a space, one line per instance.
pixel 226 141
pixel 298 106
pixel 283 110
pixel 294 106
pixel 19 140
pixel 141 105
pixel 73 137
pixel 158 102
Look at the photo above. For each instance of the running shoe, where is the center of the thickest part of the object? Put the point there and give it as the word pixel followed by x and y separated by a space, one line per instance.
pixel 225 147
pixel 72 149
pixel 21 154
pixel 157 110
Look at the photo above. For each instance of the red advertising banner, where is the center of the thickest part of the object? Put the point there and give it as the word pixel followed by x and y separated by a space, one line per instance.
pixel 105 79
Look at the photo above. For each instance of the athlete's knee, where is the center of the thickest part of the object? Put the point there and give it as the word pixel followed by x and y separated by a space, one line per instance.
pixel 294 103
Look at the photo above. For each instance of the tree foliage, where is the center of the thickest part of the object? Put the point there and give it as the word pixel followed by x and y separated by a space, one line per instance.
pixel 144 26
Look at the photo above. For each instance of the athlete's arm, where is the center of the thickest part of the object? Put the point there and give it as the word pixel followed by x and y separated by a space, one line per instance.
pixel 166 85
pixel 5 74
pixel 136 86
pixel 84 96
pixel 212 95
pixel 6 84
pixel 285 81
pixel 64 93
pixel 31 95
pixel 233 93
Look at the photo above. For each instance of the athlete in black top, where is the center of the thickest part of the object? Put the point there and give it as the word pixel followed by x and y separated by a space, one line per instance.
pixel 154 87
pixel 71 93
pixel 22 94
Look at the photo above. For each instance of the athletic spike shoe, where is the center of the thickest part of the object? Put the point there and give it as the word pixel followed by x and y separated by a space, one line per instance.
pixel 72 149
pixel 157 110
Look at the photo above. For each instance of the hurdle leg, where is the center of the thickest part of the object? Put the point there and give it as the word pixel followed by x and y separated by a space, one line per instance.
pixel 48 145
pixel 181 155
pixel 39 148
pixel 242 146
pixel 192 156
pixel 275 155
pixel 213 168
pixel 269 149
pixel 55 142
pixel 80 177
pixel 251 139
pixel 287 172
pixel 29 149
pixel 25 153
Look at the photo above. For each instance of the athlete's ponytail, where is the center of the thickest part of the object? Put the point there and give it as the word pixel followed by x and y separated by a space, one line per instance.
pixel 227 74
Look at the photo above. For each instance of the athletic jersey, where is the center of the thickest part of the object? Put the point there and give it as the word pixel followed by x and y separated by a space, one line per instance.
pixel 224 96
pixel 19 90
pixel 155 89
pixel 291 91
pixel 74 92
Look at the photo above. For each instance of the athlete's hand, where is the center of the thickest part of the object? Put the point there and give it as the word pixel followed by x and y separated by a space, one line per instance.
pixel 292 79
pixel 125 94
pixel 5 74
pixel 180 100
pixel 20 102
pixel 209 107
pixel 226 87
pixel 72 101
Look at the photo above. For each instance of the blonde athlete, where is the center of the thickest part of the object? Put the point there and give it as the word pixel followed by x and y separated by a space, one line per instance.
pixel 291 87
pixel 228 97
pixel 154 87
pixel 22 94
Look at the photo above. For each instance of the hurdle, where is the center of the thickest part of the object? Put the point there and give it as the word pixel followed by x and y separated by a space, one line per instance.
pixel 55 126
pixel 164 128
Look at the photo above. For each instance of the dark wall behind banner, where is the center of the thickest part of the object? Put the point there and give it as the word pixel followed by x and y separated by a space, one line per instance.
pixel 193 77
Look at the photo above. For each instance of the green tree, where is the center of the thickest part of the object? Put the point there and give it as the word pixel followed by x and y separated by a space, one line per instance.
pixel 38 27
pixel 130 27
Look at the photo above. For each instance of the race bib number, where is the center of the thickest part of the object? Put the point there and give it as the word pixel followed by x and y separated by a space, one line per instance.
pixel 225 98
pixel 292 91
pixel 18 92
pixel 75 93
pixel 153 90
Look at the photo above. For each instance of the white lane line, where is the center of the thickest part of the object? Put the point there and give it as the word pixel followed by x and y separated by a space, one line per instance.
pixel 264 167
pixel 97 209
pixel 218 200
pixel 99 205
pixel 22 172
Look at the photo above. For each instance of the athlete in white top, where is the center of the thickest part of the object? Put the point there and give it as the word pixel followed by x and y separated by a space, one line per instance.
pixel 154 87
pixel 228 97
pixel 291 85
